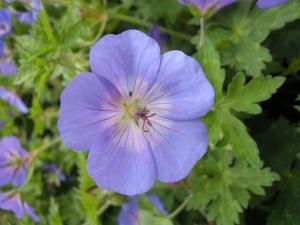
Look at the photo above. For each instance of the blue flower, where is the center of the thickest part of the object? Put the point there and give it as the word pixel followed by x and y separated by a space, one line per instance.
pixel 137 113
pixel 129 214
pixel 34 6
pixel 265 4
pixel 5 22
pixel 12 99
pixel 12 202
pixel 14 161
pixel 206 5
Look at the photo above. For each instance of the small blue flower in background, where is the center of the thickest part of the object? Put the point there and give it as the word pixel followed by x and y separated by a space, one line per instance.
pixel 52 168
pixel 12 202
pixel 129 214
pixel 7 65
pixel 137 113
pixel 14 161
pixel 12 99
pixel 158 204
pixel 33 7
pixel 159 37
pixel 206 5
pixel 214 5
pixel 265 4
pixel 30 17
pixel 5 22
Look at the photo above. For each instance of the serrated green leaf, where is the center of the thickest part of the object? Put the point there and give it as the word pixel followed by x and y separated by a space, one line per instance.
pixel 249 28
pixel 90 206
pixel 54 217
pixel 222 186
pixel 243 97
pixel 210 62
pixel 247 55
pixel 85 181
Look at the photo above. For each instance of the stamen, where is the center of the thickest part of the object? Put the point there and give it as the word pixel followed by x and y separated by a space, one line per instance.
pixel 145 115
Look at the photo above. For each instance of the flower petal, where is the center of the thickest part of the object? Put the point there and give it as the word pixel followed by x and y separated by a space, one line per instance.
pixel 6 175
pixel 182 91
pixel 266 4
pixel 158 203
pixel 12 99
pixel 8 67
pixel 9 146
pixel 30 212
pixel 177 146
pixel 88 107
pixel 13 203
pixel 121 161
pixel 19 176
pixel 129 60
pixel 129 214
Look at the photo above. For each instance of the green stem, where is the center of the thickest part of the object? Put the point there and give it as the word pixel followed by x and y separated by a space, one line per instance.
pixel 101 31
pixel 179 208
pixel 147 24
pixel 104 207
pixel 48 145
pixel 202 32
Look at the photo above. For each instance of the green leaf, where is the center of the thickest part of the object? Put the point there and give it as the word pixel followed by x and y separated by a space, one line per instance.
pixel 209 59
pixel 54 217
pixel 247 55
pixel 242 49
pixel 154 10
pixel 280 144
pixel 243 97
pixel 240 142
pixel 148 217
pixel 240 97
pixel 90 206
pixel 223 185
pixel 85 181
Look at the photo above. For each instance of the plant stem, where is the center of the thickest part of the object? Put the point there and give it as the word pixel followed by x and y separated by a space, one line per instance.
pixel 147 24
pixel 179 208
pixel 104 207
pixel 46 146
pixel 202 32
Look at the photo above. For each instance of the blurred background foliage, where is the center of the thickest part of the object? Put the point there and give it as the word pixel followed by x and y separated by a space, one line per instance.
pixel 251 173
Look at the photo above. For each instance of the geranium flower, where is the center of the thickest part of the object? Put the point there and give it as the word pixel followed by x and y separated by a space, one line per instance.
pixel 129 214
pixel 13 162
pixel 208 5
pixel 12 99
pixel 265 4
pixel 5 22
pixel 137 112
pixel 12 202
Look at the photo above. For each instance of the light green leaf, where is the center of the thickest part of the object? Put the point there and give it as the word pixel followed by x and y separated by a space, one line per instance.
pixel 209 59
pixel 243 97
pixel 54 217
pixel 148 217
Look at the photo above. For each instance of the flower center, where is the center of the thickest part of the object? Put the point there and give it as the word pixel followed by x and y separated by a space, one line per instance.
pixel 135 112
